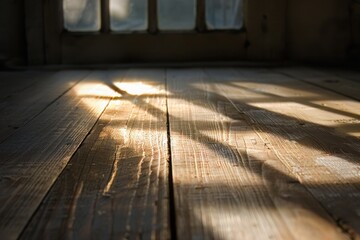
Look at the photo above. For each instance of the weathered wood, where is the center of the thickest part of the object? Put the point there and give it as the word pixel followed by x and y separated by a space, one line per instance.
pixel 32 97
pixel 247 147
pixel 228 184
pixel 32 159
pixel 16 82
pixel 322 158
pixel 322 106
pixel 116 185
pixel 344 73
pixel 333 81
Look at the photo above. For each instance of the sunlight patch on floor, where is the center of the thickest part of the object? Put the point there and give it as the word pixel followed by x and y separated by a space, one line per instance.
pixel 139 88
pixel 96 89
pixel 224 221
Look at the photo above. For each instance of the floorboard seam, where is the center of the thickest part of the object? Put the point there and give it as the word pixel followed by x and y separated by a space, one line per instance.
pixel 319 86
pixel 171 182
pixel 340 223
pixel 47 106
pixel 339 75
pixel 345 228
pixel 58 177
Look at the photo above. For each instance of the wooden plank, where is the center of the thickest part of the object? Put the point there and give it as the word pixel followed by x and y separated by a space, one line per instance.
pixel 24 104
pixel 15 82
pixel 329 80
pixel 33 157
pixel 228 184
pixel 322 158
pixel 349 74
pixel 116 185
pixel 323 107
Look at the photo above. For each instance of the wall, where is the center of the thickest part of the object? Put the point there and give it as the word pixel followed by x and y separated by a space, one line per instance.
pixel 263 39
pixel 265 29
pixel 12 33
pixel 301 30
pixel 355 31
pixel 318 30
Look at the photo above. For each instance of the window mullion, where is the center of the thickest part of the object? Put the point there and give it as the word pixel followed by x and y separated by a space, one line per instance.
pixel 105 16
pixel 152 16
pixel 200 16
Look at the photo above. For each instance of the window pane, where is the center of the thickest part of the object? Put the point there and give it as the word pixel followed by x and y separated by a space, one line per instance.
pixel 224 14
pixel 176 14
pixel 128 15
pixel 82 15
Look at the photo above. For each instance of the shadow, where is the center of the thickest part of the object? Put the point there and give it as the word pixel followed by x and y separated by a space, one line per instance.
pixel 324 141
pixel 306 133
pixel 306 101
pixel 279 80
pixel 313 136
pixel 114 186
pixel 309 134
pixel 279 187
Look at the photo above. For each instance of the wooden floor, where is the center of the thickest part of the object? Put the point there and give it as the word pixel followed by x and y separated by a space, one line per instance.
pixel 212 153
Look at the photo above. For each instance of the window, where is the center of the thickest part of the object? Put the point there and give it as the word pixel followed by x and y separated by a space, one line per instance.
pixel 82 15
pixel 176 14
pixel 128 15
pixel 171 15
pixel 224 14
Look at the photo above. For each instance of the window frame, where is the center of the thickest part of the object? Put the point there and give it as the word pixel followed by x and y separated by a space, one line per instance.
pixel 200 22
pixel 152 46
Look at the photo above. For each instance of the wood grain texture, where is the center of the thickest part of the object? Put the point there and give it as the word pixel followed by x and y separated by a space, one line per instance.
pixel 350 74
pixel 345 83
pixel 27 96
pixel 255 153
pixel 228 184
pixel 116 185
pixel 263 87
pixel 32 159
pixel 322 157
pixel 18 81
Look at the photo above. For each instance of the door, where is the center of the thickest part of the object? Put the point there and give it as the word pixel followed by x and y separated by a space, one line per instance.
pixel 118 31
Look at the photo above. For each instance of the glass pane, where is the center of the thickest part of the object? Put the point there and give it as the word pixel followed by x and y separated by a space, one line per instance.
pixel 82 15
pixel 224 14
pixel 128 15
pixel 176 14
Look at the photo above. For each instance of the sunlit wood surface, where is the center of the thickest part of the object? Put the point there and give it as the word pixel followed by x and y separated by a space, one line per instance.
pixel 203 153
